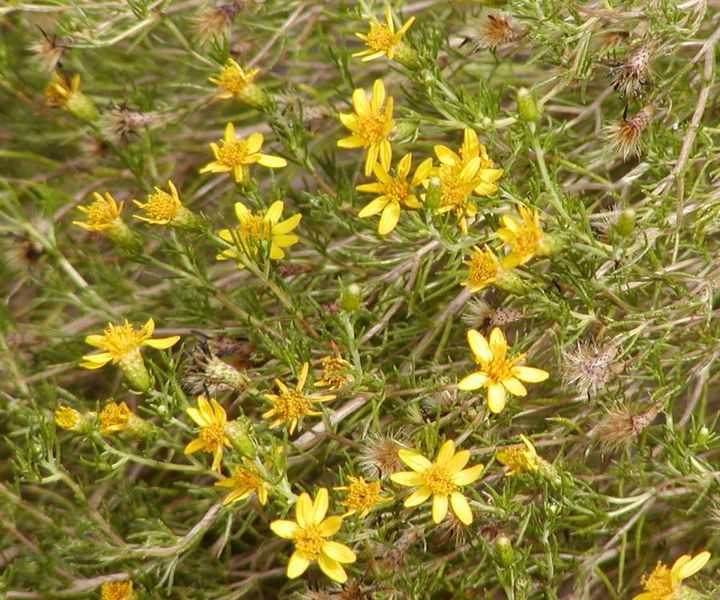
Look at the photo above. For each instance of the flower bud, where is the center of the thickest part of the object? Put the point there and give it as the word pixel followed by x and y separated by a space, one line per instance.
pixel 351 298
pixel 624 225
pixel 433 194
pixel 138 428
pixel 79 105
pixel 504 553
pixel 527 106
pixel 240 432
pixel 552 244
pixel 137 375
pixel 406 56
pixel 509 281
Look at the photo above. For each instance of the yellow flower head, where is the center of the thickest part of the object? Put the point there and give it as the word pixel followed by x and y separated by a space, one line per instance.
pixel 662 583
pixel 235 154
pixel 233 79
pixel 309 533
pixel 113 417
pixel 291 405
pixel 256 231
pixel 440 479
pixel 102 215
pixel 212 420
pixel 59 90
pixel 498 373
pixel 245 481
pixel 122 343
pixel 470 171
pixel 66 417
pixel 483 268
pixel 370 125
pixel 361 496
pixel 117 590
pixel 525 238
pixel 162 208
pixel 520 458
pixel 335 372
pixel 382 40
pixel 394 192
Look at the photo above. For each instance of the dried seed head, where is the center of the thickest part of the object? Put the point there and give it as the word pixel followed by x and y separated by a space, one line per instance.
pixel 443 400
pixel 50 50
pixel 216 20
pixel 379 456
pixel 120 124
pixel 452 530
pixel 22 253
pixel 624 135
pixel 480 315
pixel 620 426
pixel 589 368
pixel 635 72
pixel 207 374
pixel 493 29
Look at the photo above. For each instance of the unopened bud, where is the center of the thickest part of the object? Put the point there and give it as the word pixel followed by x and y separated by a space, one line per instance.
pixel 703 435
pixel 79 105
pixel 433 194
pixel 240 432
pixel 552 244
pixel 138 428
pixel 504 552
pixel 351 298
pixel 406 56
pixel 527 106
pixel 509 281
pixel 624 225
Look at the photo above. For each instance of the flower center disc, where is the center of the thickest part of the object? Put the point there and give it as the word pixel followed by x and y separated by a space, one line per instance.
pixel 308 543
pixel 439 480
pixel 232 153
pixel 213 435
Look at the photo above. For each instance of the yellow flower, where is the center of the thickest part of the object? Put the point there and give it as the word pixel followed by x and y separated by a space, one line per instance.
pixel 309 533
pixel 256 231
pixel 663 583
pixel 66 417
pixel 383 40
pixel 361 496
pixel 113 417
pixel 235 154
pixel 470 171
pixel 334 373
pixel 498 373
pixel 395 192
pixel 117 590
pixel 59 90
pixel 519 458
pixel 245 481
pixel 211 418
pixel 162 208
pixel 240 84
pixel 525 239
pixel 483 268
pixel 120 344
pixel 102 215
pixel 291 405
pixel 440 479
pixel 370 126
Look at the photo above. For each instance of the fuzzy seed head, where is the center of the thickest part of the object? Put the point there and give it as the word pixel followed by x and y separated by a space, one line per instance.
pixel 634 72
pixel 620 426
pixel 624 135
pixel 216 20
pixel 121 124
pixel 379 456
pixel 494 29
pixel 589 368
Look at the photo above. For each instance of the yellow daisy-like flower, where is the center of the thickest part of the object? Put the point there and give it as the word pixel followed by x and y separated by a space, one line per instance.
pixel 255 231
pixel 212 420
pixel 519 458
pixel 483 269
pixel 59 90
pixel 461 175
pixel 309 533
pixel 66 417
pixel 361 496
pixel 440 479
pixel 291 405
pixel 334 374
pixel 395 192
pixel 370 125
pixel 663 583
pixel 121 344
pixel 240 84
pixel 525 238
pixel 162 208
pixel 117 590
pixel 114 417
pixel 245 481
pixel 498 373
pixel 235 154
pixel 102 215
pixel 383 40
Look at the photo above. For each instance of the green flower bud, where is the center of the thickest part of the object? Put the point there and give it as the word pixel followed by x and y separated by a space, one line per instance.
pixel 504 553
pixel 624 225
pixel 433 194
pixel 351 298
pixel 241 434
pixel 406 56
pixel 509 281
pixel 138 428
pixel 79 105
pixel 527 106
